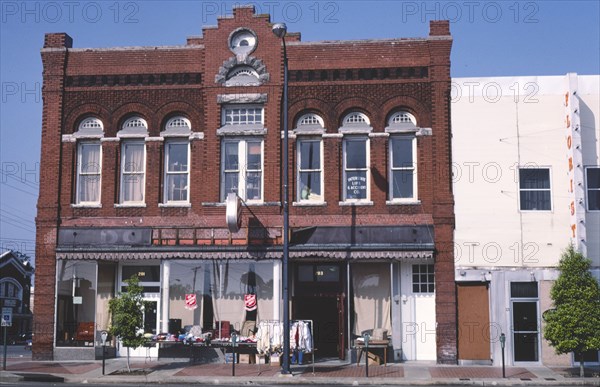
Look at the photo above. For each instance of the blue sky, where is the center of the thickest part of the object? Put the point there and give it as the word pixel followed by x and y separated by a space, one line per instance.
pixel 491 38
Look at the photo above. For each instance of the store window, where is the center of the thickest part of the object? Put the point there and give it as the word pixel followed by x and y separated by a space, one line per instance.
pixel 593 188
pixel 241 168
pixel 219 288
pixel 534 189
pixel 75 303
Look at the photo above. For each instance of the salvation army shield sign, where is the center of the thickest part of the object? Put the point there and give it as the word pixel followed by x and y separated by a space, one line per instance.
pixel 190 301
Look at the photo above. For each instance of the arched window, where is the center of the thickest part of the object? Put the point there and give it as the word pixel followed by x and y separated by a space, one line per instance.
pixel 310 119
pixel 178 123
pixel 89 161
pixel 135 122
pixel 91 124
pixel 402 117
pixel 356 118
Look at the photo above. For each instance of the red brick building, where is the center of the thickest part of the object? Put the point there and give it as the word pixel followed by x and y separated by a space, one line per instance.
pixel 141 145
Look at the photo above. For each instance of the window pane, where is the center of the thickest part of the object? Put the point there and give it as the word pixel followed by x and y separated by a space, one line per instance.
pixel 178 157
pixel 177 187
pixel 310 183
pixel 310 155
pixel 231 156
pixel 594 200
pixel 90 158
pixel 534 178
pixel 356 154
pixel 133 157
pixel 403 184
pixel 254 156
pixel 356 185
pixel 402 153
pixel 89 188
pixel 535 200
pixel 230 183
pixel 593 178
pixel 133 187
pixel 253 184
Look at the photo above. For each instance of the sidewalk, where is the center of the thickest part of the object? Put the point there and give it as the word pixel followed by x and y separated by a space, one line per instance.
pixel 176 371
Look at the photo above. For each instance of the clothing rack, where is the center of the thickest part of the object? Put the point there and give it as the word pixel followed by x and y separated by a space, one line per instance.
pixel 270 338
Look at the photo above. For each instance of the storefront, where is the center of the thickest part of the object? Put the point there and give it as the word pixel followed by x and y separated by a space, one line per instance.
pixel 343 291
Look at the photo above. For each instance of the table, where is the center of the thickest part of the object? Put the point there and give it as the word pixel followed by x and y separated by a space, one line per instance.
pixel 373 344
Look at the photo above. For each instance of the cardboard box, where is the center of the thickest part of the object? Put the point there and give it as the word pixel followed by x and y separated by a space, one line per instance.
pixel 246 359
pixel 275 360
pixel 262 359
pixel 373 359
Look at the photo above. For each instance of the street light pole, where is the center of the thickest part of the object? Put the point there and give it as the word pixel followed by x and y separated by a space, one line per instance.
pixel 280 30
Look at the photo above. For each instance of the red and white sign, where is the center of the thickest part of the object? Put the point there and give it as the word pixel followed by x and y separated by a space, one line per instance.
pixel 250 301
pixel 190 301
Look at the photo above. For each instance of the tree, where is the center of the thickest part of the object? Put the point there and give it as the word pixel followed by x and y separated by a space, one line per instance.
pixel 574 324
pixel 128 316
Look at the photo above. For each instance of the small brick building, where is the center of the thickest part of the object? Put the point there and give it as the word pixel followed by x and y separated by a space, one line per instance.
pixel 142 145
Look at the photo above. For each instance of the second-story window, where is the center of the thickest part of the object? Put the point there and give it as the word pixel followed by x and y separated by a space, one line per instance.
pixel 133 161
pixel 133 167
pixel 310 170
pixel 534 189
pixel 89 172
pixel 242 115
pixel 177 171
pixel 356 168
pixel 402 168
pixel 241 168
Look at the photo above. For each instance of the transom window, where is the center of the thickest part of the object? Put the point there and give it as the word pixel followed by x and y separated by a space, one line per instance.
pixel 310 119
pixel 135 122
pixel 133 167
pixel 356 168
pixel 355 118
pixel 91 123
pixel 593 188
pixel 177 171
pixel 423 278
pixel 242 115
pixel 310 170
pixel 403 167
pixel 241 168
pixel 177 123
pixel 534 189
pixel 402 117
pixel 89 172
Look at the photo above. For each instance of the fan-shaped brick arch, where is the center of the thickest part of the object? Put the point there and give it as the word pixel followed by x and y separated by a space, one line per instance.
pixel 310 105
pixel 362 105
pixel 81 112
pixel 410 105
pixel 128 110
pixel 180 108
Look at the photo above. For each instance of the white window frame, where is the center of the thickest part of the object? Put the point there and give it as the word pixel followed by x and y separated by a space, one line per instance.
pixel 413 168
pixel 242 143
pixel 588 189
pixel 366 169
pixel 549 189
pixel 125 173
pixel 299 194
pixel 229 111
pixel 81 173
pixel 420 283
pixel 167 173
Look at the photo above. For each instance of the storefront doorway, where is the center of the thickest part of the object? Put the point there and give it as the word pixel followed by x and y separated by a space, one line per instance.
pixel 319 296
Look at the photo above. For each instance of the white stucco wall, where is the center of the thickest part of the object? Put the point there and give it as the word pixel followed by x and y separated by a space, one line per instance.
pixel 498 124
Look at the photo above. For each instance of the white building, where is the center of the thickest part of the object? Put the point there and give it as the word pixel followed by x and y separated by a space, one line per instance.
pixel 526 172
